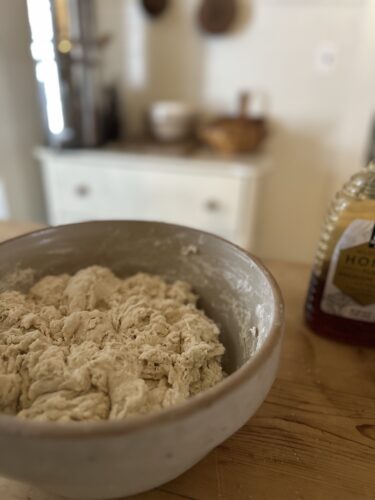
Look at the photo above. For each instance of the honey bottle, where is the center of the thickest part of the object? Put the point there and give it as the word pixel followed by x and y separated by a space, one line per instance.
pixel 341 299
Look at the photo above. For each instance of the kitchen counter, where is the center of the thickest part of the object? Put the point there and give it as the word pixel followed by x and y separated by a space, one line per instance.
pixel 314 436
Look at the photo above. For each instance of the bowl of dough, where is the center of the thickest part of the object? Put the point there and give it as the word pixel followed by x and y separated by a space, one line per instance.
pixel 128 351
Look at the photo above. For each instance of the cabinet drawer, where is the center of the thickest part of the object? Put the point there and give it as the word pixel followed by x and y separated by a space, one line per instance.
pixel 201 201
pixel 82 192
pixel 81 188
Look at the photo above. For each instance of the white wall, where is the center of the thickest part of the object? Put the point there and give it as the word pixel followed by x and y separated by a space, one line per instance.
pixel 319 120
pixel 20 124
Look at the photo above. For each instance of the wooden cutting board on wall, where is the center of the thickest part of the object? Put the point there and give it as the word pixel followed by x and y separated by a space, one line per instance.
pixel 217 16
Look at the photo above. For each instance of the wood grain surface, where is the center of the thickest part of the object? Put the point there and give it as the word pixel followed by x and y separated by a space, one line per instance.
pixel 312 439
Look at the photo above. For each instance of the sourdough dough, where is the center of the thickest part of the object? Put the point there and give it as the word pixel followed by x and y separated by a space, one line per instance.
pixel 93 347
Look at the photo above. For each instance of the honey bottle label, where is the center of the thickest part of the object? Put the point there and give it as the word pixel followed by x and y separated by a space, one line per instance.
pixel 349 291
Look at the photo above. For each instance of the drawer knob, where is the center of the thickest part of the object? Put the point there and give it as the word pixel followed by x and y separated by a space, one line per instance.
pixel 82 190
pixel 212 205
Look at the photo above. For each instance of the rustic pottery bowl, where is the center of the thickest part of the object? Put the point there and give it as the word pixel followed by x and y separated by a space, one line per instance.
pixel 171 120
pixel 117 458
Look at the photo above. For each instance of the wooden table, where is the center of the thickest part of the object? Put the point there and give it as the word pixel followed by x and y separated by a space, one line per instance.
pixel 313 438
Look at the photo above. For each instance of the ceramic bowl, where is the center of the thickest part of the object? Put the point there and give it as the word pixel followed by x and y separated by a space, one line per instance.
pixel 101 460
pixel 171 121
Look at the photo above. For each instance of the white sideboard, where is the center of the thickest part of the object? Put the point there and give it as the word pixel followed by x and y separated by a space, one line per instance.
pixel 216 195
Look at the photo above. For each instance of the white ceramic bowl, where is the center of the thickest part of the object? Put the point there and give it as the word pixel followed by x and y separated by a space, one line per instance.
pixel 117 458
pixel 171 120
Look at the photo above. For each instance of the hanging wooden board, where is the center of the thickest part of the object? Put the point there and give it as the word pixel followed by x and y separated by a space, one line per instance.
pixel 217 16
pixel 154 8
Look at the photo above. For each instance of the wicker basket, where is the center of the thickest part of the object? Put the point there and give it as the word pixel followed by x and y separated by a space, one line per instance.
pixel 234 135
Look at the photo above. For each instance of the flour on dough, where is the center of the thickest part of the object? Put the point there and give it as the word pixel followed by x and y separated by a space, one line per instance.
pixel 93 347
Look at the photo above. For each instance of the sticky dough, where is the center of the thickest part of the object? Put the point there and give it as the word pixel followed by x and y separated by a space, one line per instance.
pixel 93 347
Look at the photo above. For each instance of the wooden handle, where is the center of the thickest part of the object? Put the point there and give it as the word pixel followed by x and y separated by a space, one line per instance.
pixel 244 101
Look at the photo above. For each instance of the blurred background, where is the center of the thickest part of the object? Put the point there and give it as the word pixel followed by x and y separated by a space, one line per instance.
pixel 241 117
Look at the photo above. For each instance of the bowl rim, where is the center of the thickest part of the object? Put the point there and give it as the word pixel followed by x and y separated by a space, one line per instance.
pixel 11 424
